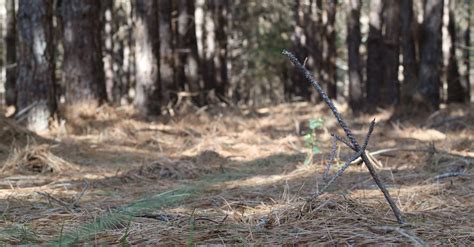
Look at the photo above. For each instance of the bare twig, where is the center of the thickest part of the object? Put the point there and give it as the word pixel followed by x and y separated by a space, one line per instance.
pixel 332 156
pixel 418 150
pixel 406 233
pixel 58 201
pixel 67 205
pixel 369 133
pixel 79 196
pixel 343 140
pixel 338 173
pixel 348 133
pixel 19 116
pixel 207 219
pixel 349 162
pixel 449 174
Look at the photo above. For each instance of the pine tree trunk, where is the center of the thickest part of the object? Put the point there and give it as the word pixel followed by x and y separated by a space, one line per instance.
pixel 298 87
pixel 35 80
pixel 122 31
pixel 107 9
pixel 166 63
pixel 457 92
pixel 353 45
pixel 430 54
pixel 83 68
pixel 316 36
pixel 127 61
pixel 10 50
pixel 409 28
pixel 188 67
pixel 374 54
pixel 390 88
pixel 148 95
pixel 465 54
pixel 208 41
pixel 330 60
pixel 220 18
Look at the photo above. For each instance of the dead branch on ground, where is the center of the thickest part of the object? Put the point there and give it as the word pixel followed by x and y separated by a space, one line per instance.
pixel 352 141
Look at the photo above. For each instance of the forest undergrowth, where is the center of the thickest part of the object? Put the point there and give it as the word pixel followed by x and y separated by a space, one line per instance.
pixel 228 175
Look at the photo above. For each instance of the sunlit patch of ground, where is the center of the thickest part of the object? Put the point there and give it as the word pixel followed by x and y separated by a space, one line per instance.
pixel 226 175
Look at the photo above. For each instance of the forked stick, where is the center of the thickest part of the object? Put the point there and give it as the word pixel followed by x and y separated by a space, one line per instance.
pixel 348 133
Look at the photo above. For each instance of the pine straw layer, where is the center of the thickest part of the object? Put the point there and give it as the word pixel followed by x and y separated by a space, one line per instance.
pixel 244 172
pixel 36 160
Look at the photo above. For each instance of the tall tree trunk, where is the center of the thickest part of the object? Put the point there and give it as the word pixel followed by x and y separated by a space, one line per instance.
pixel 166 63
pixel 297 86
pixel 10 50
pixel 221 12
pixel 316 35
pixel 353 44
pixel 128 60
pixel 148 94
pixel 122 33
pixel 83 68
pixel 35 80
pixel 331 54
pixel 187 67
pixel 208 41
pixel 465 54
pixel 374 54
pixel 108 47
pixel 430 57
pixel 456 90
pixel 390 88
pixel 409 29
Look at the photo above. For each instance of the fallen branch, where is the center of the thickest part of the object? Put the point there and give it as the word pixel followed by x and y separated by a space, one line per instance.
pixel 348 163
pixel 406 233
pixel 354 144
pixel 78 197
pixel 68 206
pixel 431 150
pixel 51 198
pixel 449 174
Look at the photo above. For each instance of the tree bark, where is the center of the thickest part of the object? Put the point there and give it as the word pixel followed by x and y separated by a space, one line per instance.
pixel 166 63
pixel 148 95
pixel 122 31
pixel 316 36
pixel 220 18
pixel 331 54
pixel 297 87
pixel 465 54
pixel 10 50
pixel 374 54
pixel 390 88
pixel 457 92
pixel 409 29
pixel 35 79
pixel 208 42
pixel 83 68
pixel 353 45
pixel 188 67
pixel 107 9
pixel 430 57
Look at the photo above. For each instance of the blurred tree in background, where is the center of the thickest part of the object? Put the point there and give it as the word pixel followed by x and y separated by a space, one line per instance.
pixel 161 55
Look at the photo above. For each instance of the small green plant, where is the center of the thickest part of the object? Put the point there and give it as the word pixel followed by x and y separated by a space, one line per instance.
pixel 18 234
pixel 311 141
pixel 192 227
pixel 124 239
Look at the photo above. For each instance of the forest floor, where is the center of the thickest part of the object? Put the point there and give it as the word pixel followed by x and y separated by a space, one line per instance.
pixel 223 175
